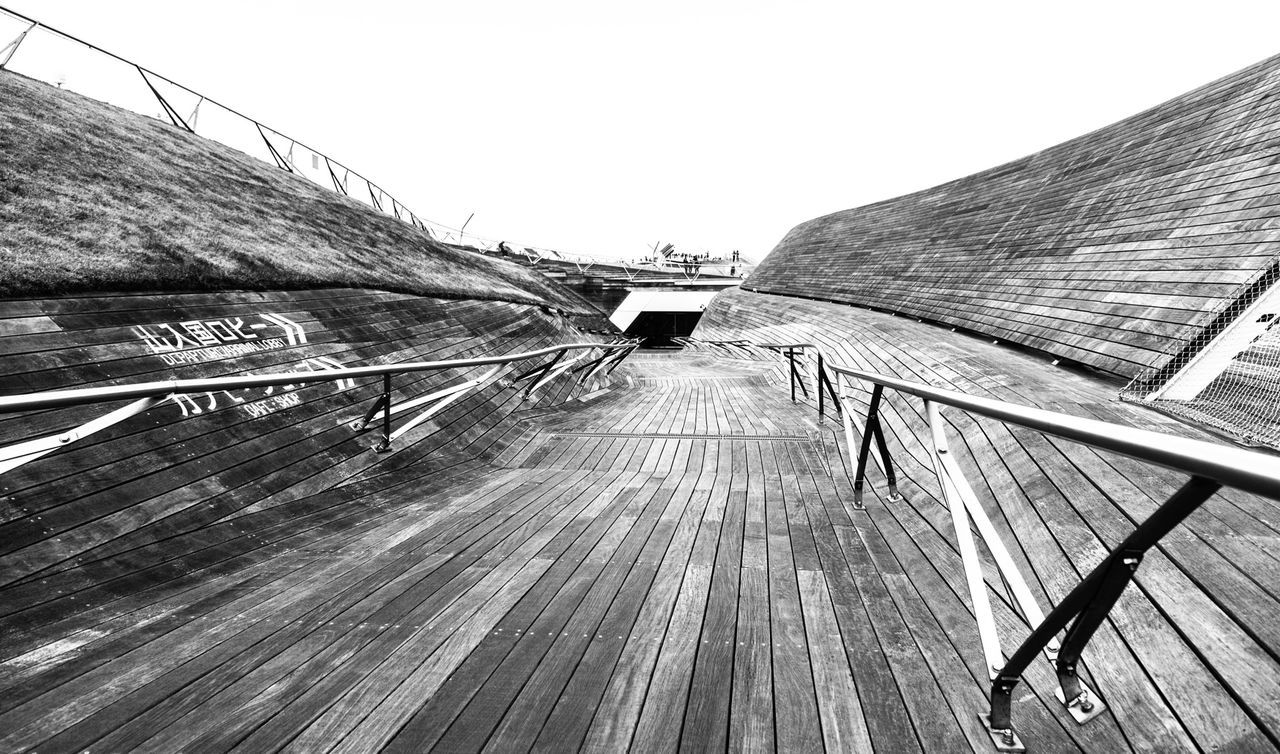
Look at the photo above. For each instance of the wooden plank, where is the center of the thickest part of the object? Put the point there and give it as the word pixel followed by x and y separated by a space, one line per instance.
pixel 706 718
pixel 843 725
pixel 794 697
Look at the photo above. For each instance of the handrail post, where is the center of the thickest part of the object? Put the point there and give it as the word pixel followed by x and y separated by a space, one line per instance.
pixel 791 363
pixel 847 421
pixel 385 445
pixel 174 116
pixel 964 542
pixel 864 451
pixel 7 52
pixel 822 375
pixel 542 374
pixel 362 423
pixel 151 394
pixel 589 370
pixel 824 384
pixel 871 430
pixel 1089 603
pixel 623 353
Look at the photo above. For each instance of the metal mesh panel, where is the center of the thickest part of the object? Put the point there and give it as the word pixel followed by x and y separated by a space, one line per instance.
pixel 1228 376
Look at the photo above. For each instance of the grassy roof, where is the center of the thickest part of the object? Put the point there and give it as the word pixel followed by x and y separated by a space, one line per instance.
pixel 96 198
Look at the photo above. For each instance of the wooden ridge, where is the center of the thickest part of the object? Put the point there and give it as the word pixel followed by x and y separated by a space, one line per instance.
pixel 1113 249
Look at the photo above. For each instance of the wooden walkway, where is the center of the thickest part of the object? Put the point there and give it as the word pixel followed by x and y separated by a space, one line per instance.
pixel 1113 249
pixel 669 566
pixel 1190 657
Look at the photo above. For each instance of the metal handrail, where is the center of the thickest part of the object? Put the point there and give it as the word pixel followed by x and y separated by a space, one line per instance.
pixel 151 394
pixel 1248 470
pixel 82 396
pixel 377 196
pixel 1211 466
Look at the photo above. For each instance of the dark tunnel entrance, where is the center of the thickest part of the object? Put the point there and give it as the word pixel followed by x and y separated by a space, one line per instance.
pixel 658 328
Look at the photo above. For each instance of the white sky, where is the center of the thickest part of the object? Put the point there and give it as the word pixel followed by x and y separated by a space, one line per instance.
pixel 601 128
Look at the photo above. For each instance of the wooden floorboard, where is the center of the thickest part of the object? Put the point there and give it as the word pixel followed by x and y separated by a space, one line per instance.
pixel 674 564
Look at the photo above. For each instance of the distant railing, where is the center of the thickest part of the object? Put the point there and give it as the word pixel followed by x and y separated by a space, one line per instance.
pixel 108 77
pixel 631 268
pixel 196 113
pixel 585 365
pixel 1210 465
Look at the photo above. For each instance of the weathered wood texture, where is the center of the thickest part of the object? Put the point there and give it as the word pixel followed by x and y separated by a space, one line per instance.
pixel 206 485
pixel 672 564
pixel 1189 656
pixel 1112 249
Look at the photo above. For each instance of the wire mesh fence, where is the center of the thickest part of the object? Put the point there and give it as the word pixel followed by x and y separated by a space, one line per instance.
pixel 1228 376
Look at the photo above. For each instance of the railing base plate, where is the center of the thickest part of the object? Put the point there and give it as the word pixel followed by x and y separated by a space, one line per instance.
pixel 1004 740
pixel 1096 707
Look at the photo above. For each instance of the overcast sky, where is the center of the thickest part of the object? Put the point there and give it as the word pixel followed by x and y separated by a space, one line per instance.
pixel 601 128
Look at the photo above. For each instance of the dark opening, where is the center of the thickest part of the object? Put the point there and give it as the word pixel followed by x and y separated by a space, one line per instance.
pixel 658 328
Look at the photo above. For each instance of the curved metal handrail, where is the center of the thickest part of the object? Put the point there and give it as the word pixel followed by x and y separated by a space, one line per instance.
pixel 148 395
pixel 82 396
pixel 1248 470
pixel 1211 466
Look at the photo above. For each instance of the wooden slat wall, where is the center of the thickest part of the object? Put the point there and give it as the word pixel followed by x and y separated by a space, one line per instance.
pixel 1191 651
pixel 161 498
pixel 1111 249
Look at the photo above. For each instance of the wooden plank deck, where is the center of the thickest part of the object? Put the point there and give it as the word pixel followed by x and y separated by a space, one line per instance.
pixel 1190 658
pixel 672 565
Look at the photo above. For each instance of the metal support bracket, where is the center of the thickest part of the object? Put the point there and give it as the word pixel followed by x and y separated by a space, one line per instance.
pixel 957 492
pixel 337 184
pixel 1084 706
pixel 795 375
pixel 6 52
pixel 537 376
pixel 280 161
pixel 994 658
pixel 552 373
pixel 1089 603
pixel 592 367
pixel 13 456
pixel 825 389
pixel 174 117
pixel 438 400
pixel 361 424
pixel 622 356
pixel 591 364
pixel 870 431
pixel 1005 739
pixel 195 113
pixel 384 446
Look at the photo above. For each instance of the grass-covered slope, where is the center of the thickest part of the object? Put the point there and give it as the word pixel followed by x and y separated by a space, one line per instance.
pixel 96 198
